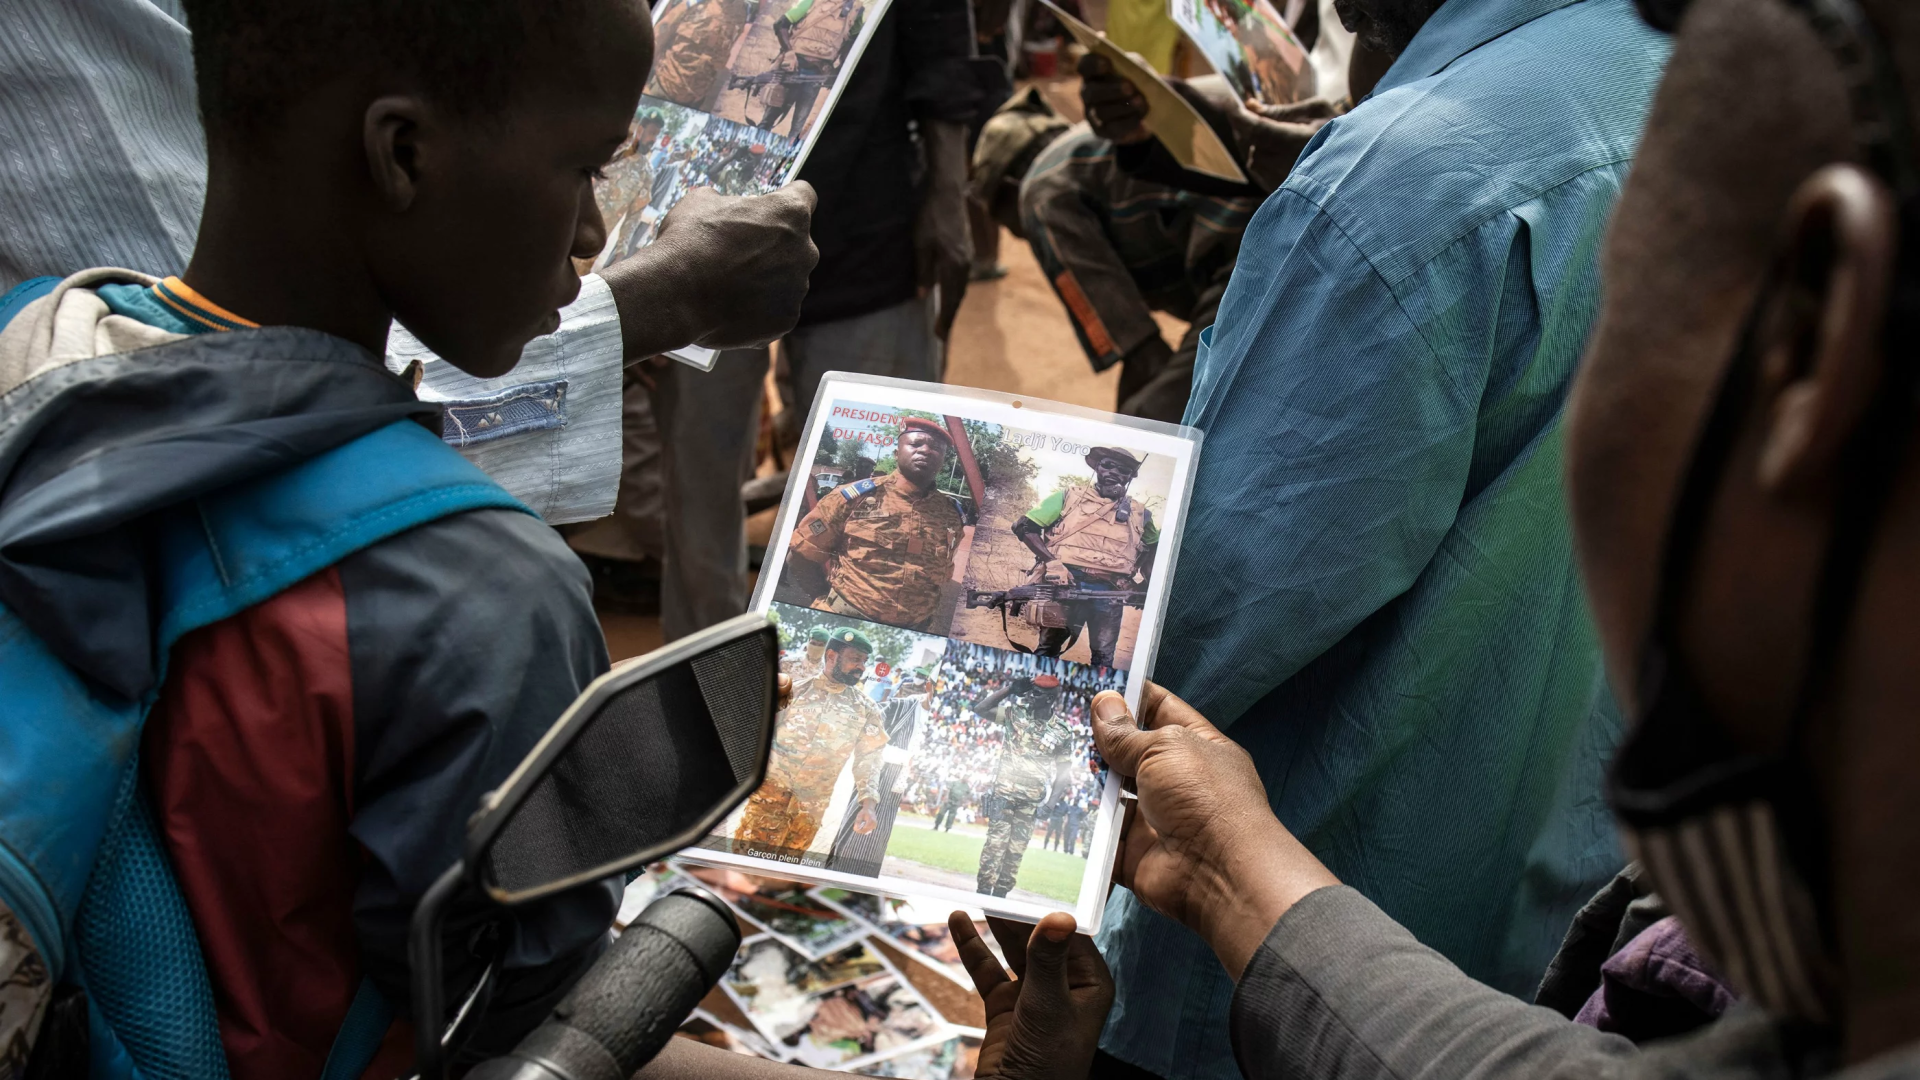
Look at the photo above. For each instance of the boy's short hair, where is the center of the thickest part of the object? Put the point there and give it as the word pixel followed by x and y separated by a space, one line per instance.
pixel 254 58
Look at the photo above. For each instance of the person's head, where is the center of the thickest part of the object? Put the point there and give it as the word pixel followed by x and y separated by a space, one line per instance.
pixel 1385 26
pixel 1043 693
pixel 430 160
pixel 1113 470
pixel 1009 142
pixel 921 450
pixel 846 656
pixel 817 643
pixel 647 130
pixel 1749 195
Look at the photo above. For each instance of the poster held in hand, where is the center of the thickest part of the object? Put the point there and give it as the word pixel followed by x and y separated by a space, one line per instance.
pixel 955 574
pixel 1250 45
pixel 735 102
pixel 1170 117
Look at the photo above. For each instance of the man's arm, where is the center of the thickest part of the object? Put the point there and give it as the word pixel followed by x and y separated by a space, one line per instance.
pixel 452 685
pixel 1329 986
pixel 993 699
pixel 820 533
pixel 867 753
pixel 724 273
pixel 1340 991
pixel 1033 534
pixel 1069 239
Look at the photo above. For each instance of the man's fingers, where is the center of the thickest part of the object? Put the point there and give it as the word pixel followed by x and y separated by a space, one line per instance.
pixel 785 693
pixel 1047 958
pixel 1119 739
pixel 1161 708
pixel 1012 937
pixel 802 192
pixel 979 960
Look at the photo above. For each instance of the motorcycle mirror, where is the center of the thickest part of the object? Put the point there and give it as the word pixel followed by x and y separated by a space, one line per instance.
pixel 646 761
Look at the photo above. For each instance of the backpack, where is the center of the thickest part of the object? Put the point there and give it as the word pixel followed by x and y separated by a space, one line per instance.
pixel 81 862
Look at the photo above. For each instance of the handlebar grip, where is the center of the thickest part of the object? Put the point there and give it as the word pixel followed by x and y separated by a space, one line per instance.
pixel 626 1007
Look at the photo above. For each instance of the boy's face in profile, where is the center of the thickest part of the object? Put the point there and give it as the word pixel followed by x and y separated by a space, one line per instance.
pixel 479 263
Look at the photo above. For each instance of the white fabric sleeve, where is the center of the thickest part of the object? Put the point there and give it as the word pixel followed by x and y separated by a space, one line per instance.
pixel 549 430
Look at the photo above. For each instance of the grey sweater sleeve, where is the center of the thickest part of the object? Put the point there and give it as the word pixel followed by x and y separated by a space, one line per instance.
pixel 1339 991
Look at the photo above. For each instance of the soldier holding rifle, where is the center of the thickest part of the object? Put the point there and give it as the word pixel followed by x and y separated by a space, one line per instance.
pixel 1096 539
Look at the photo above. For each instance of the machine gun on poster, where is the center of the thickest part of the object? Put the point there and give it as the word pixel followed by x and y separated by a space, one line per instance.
pixel 1042 593
pixel 783 78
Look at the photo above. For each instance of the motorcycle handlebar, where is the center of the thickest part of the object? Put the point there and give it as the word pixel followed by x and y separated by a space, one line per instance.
pixel 626 1007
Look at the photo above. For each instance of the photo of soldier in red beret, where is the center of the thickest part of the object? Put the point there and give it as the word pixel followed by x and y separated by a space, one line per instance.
pixel 886 546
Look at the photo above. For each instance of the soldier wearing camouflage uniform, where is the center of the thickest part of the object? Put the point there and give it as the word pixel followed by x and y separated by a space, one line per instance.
pixel 808 664
pixel 1037 738
pixel 814 37
pixel 885 545
pixel 626 186
pixel 1096 537
pixel 1115 247
pixel 692 43
pixel 827 721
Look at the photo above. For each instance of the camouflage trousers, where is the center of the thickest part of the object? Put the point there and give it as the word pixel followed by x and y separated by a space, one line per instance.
pixel 1100 618
pixel 782 818
pixel 1016 803
pixel 840 605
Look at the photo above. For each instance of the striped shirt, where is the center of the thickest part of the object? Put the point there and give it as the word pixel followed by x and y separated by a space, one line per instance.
pixel 103 163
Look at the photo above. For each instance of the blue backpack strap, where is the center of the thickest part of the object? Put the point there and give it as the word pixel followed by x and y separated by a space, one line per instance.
pixel 360 1034
pixel 23 294
pixel 80 858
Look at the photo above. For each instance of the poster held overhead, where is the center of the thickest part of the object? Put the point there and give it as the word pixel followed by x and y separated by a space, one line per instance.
pixel 1171 118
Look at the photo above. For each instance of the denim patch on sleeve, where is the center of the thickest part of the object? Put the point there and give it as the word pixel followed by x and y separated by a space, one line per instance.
pixel 539 406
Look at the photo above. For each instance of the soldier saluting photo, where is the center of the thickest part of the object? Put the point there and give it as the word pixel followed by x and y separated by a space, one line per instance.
pixel 808 664
pixel 1037 739
pixel 827 721
pixel 882 548
pixel 1094 538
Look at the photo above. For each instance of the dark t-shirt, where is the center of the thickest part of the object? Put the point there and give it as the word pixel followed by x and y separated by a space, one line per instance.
pixel 866 166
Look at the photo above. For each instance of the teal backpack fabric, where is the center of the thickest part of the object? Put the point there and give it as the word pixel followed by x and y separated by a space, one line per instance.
pixel 80 860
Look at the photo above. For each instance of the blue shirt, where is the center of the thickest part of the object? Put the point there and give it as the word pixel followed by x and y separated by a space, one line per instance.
pixel 1376 586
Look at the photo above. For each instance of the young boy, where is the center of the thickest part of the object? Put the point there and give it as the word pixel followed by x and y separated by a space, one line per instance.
pixel 217 515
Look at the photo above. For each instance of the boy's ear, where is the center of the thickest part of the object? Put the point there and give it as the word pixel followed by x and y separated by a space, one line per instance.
pixel 1823 323
pixel 391 130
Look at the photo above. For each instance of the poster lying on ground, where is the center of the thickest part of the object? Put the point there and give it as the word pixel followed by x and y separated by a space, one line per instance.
pixel 737 97
pixel 955 574
pixel 1249 44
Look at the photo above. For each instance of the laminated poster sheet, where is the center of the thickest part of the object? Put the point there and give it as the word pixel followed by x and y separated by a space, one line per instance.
pixel 955 573
pixel 1169 116
pixel 736 100
pixel 1249 43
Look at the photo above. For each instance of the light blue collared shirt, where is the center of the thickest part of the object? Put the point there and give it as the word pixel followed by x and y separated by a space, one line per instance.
pixel 1376 585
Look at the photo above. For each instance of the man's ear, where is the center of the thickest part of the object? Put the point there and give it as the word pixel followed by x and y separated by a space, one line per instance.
pixel 391 130
pixel 1821 324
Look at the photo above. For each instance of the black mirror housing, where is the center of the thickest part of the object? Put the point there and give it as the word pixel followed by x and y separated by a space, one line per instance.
pixel 649 759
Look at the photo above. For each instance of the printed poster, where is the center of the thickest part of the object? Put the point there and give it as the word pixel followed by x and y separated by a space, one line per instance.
pixel 955 574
